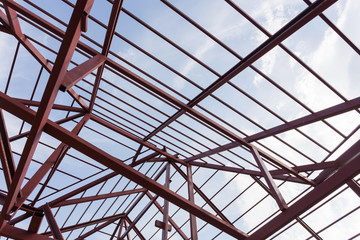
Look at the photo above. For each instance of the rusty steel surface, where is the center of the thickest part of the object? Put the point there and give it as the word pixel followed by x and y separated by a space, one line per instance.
pixel 161 119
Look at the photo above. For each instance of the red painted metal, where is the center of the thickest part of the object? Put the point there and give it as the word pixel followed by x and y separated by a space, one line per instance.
pixel 85 224
pixel 7 161
pixel 345 173
pixel 35 223
pixel 193 225
pixel 269 180
pixel 98 197
pixel 52 223
pixel 160 129
pixel 52 162
pixel 18 233
pixel 62 61
pixel 171 221
pixel 79 72
pixel 94 230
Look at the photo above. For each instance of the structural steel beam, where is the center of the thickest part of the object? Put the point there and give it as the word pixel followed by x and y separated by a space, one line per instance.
pixel 166 205
pixel 55 106
pixel 55 157
pixel 52 223
pixel 35 222
pixel 62 61
pixel 98 197
pixel 350 168
pixel 138 217
pixel 20 234
pixel 275 192
pixel 193 225
pixel 114 16
pixel 7 161
pixel 308 119
pixel 118 166
pixel 94 230
pixel 79 72
pixel 172 222
pixel 85 224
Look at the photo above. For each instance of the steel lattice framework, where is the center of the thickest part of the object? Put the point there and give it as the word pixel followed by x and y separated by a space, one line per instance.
pixel 106 147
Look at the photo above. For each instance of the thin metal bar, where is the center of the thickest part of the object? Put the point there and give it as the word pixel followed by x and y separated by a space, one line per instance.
pixel 114 16
pixel 355 186
pixel 138 217
pixel 172 222
pixel 206 199
pixel 55 106
pixel 166 205
pixel 193 225
pixel 275 192
pixel 94 230
pixel 52 222
pixel 98 197
pixel 85 224
pixel 139 234
pixel 308 228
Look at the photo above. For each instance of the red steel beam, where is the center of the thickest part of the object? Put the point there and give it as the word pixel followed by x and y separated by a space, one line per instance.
pixel 55 106
pixel 33 51
pixel 274 190
pixel 55 157
pixel 118 166
pixel 52 222
pixel 98 197
pixel 85 224
pixel 62 61
pixel 172 222
pixel 79 72
pixel 311 118
pixel 193 225
pixel 35 222
pixel 94 230
pixel 114 16
pixel 20 234
pixel 7 160
pixel 61 121
pixel 138 217
pixel 350 169
pixel 247 171
pixel 166 205
pixel 308 119
pixel 15 29
pixel 201 193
